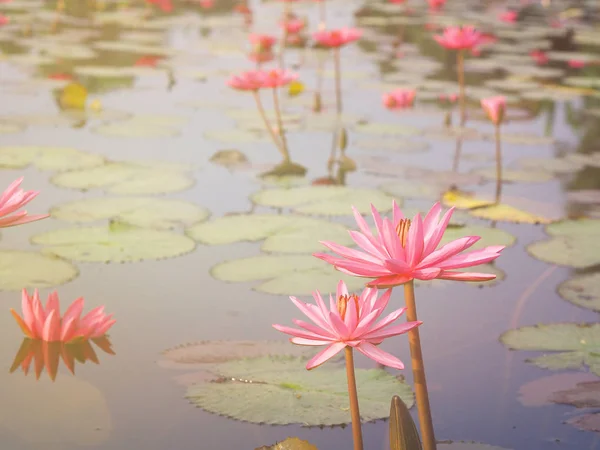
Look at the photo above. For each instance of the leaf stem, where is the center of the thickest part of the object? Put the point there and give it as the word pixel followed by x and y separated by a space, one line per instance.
pixel 353 395
pixel 263 115
pixel 498 164
pixel 460 68
pixel 281 131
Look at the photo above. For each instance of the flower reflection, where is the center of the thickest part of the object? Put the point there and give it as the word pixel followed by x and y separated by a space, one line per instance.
pixel 47 355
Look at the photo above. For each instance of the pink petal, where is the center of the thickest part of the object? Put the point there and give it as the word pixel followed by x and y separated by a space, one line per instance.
pixel 342 289
pixel 28 316
pixel 378 355
pixel 314 329
pixel 389 281
pixel 427 274
pixel 351 317
pixel 414 242
pixel 325 355
pixel 365 230
pixel 313 314
pixel 74 310
pixel 395 330
pixel 397 266
pixel 363 242
pixel 438 257
pixel 298 333
pixel 473 258
pixel 51 329
pixel 466 276
pixel 351 254
pixel 397 215
pixel 433 241
pixel 339 325
pixel 365 269
pixel 311 342
pixel 431 221
pixel 391 317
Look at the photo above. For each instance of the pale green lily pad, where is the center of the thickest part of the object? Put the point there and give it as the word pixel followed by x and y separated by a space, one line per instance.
pixel 134 47
pixel 124 178
pixel 392 129
pixel 547 93
pixel 157 213
pixel 20 270
pixel 512 84
pixel 10 128
pixel 578 344
pixel 143 126
pixel 521 139
pixel 523 176
pixel 325 200
pixel 400 146
pixel 284 181
pixel 285 274
pixel 114 243
pixel 569 56
pixel 575 243
pixel 47 158
pixel 280 391
pixel 584 82
pixel 534 71
pixel 583 290
pixel 591 160
pixel 283 234
pixel 555 165
pixel 233 136
pixel 117 72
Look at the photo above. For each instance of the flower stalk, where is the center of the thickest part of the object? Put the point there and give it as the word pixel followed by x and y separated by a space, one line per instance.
pixel 276 140
pixel 460 68
pixel 498 163
pixel 353 396
pixel 281 131
pixel 338 79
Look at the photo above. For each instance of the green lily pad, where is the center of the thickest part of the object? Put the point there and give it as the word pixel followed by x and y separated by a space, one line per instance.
pixel 10 128
pixel 285 274
pixel 583 290
pixel 528 176
pixel 574 243
pixel 143 127
pixel 127 178
pixel 47 158
pixel 157 213
pixel 280 391
pixel 284 234
pixel 512 84
pixel 555 165
pixel 584 82
pixel 20 270
pixel 521 139
pixel 115 243
pixel 392 129
pixel 233 136
pixel 325 200
pixel 586 422
pixel 576 345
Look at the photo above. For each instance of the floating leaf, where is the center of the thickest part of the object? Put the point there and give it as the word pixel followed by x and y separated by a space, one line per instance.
pixel 555 165
pixel 127 178
pixel 285 274
pixel 280 391
pixel 541 392
pixel 575 243
pixel 393 129
pixel 578 344
pixel 325 200
pixel 47 158
pixel 584 395
pixel 285 234
pixel 395 145
pixel 521 139
pixel 117 243
pixel 291 443
pixel 426 191
pixel 155 213
pixel 591 160
pixel 20 270
pixel 529 176
pixel 10 128
pixel 583 290
pixel 143 126
pixel 229 158
pixel 585 196
pixel 586 422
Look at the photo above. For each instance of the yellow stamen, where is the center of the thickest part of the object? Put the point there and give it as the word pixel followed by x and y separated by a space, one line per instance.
pixel 402 230
pixel 342 304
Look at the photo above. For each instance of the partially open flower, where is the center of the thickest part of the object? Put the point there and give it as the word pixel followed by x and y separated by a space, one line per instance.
pixel 494 108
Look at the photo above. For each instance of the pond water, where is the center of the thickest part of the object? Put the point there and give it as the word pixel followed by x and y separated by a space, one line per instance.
pixel 161 83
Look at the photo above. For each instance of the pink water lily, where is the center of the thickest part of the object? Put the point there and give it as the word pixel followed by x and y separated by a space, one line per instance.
pixel 11 200
pixel 251 80
pixel 337 38
pixel 494 108
pixel 399 98
pixel 351 320
pixel 277 78
pixel 459 38
pixel 404 250
pixel 48 325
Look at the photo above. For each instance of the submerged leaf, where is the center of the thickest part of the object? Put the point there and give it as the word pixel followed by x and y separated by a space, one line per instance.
pixel 20 270
pixel 280 391
pixel 583 290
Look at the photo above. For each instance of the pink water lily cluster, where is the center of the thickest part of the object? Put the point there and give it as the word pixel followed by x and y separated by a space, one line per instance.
pixel 46 323
pixel 350 320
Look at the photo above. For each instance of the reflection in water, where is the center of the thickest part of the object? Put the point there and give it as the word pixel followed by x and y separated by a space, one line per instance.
pixel 47 355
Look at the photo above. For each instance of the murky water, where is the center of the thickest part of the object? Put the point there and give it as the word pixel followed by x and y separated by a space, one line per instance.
pixel 128 401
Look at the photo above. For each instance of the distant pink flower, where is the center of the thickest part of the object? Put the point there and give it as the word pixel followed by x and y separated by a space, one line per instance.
pixel 293 26
pixel 494 108
pixel 4 19
pixel 206 4
pixel 450 98
pixel 277 78
pixel 349 321
pixel 262 42
pixel 261 57
pixel 398 2
pixel 576 63
pixel 459 38
pixel 404 250
pixel 509 16
pixel 164 5
pixel 337 38
pixel 539 57
pixel 251 80
pixel 399 98
pixel 46 323
pixel 12 199
pixel 436 4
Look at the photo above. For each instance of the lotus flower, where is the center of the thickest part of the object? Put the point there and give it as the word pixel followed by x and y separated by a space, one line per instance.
pixel 459 38
pixel 293 26
pixel 251 80
pixel 576 63
pixel 436 4
pixel 277 78
pixel 261 42
pixel 46 323
pixel 350 321
pixel 404 250
pixel 494 108
pixel 448 98
pixel 47 355
pixel 337 38
pixel 509 16
pixel 164 5
pixel 4 19
pixel 539 57
pixel 399 98
pixel 12 199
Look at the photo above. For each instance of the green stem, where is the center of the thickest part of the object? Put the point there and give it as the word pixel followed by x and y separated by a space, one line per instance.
pixel 498 165
pixel 353 396
pixel 457 153
pixel 338 79
pixel 268 126
pixel 284 145
pixel 418 368
pixel 460 67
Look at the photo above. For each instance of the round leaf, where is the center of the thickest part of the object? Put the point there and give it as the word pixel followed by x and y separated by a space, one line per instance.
pixel 20 270
pixel 393 129
pixel 47 158
pixel 117 243
pixel 582 291
pixel 280 391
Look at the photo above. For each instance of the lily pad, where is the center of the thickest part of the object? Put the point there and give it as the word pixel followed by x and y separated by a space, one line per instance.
pixel 20 270
pixel 395 145
pixel 285 274
pixel 233 136
pixel 47 158
pixel 529 176
pixel 575 345
pixel 280 391
pixel 592 159
pixel 10 128
pixel 586 422
pixel 542 392
pixel 427 191
pixel 392 129
pixel 585 196
pixel 584 395
pixel 115 243
pixel 143 212
pixel 325 200
pixel 583 290
pixel 521 139
pixel 143 127
pixel 575 243
pixel 284 234
pixel 127 178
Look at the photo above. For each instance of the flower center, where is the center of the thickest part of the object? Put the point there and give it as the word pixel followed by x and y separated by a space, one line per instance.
pixel 402 230
pixel 342 304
